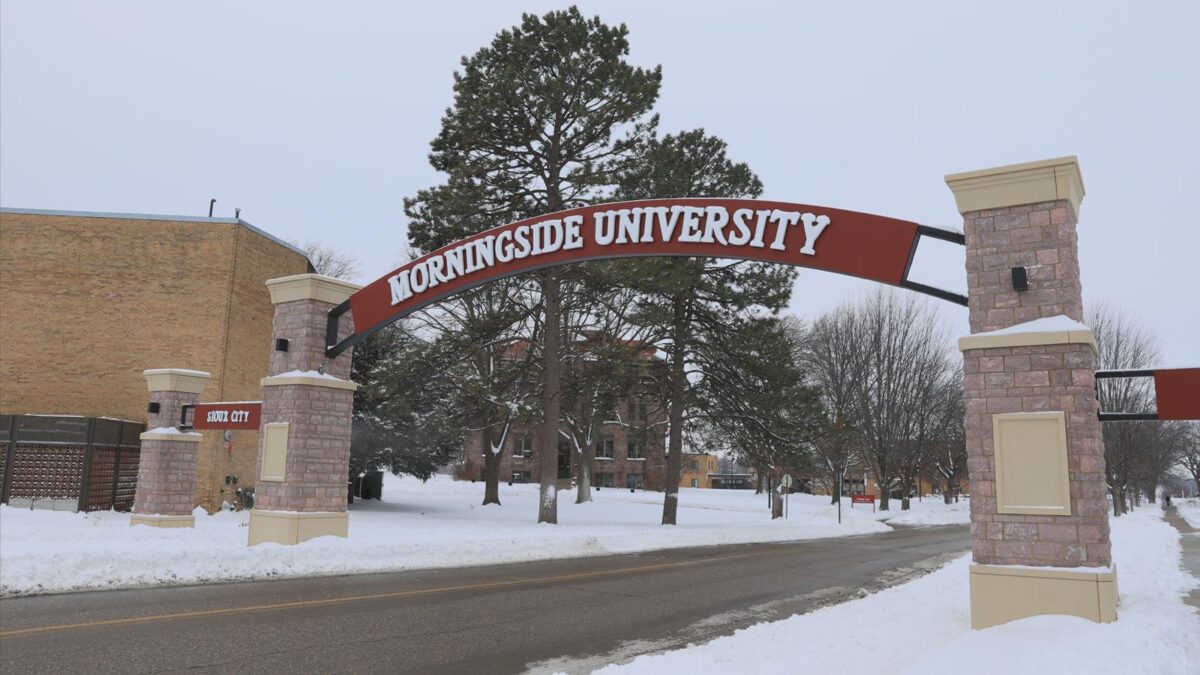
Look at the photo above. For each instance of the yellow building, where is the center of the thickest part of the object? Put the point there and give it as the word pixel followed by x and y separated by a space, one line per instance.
pixel 697 467
pixel 90 300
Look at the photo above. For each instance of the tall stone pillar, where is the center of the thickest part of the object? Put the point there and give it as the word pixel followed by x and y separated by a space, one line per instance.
pixel 304 440
pixel 1039 518
pixel 166 487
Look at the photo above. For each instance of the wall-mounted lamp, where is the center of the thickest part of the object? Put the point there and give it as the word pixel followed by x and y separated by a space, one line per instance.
pixel 1020 279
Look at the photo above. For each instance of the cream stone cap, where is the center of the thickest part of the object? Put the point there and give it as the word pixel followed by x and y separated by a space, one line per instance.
pixel 1018 184
pixel 176 379
pixel 310 287
pixel 1052 330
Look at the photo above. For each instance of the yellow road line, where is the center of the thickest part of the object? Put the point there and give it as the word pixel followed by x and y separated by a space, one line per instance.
pixel 22 632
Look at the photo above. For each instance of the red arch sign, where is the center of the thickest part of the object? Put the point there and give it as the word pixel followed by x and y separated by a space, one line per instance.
pixel 847 242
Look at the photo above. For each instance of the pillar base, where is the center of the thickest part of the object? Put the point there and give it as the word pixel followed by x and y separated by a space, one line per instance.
pixel 1003 593
pixel 291 527
pixel 162 521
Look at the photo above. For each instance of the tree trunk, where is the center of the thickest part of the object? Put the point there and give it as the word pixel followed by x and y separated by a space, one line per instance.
pixel 948 493
pixel 758 485
pixel 675 414
pixel 906 496
pixel 491 472
pixel 583 491
pixel 1118 497
pixel 777 506
pixel 548 461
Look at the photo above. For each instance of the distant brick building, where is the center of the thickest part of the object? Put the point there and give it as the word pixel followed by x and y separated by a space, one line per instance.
pixel 622 460
pixel 90 300
pixel 630 452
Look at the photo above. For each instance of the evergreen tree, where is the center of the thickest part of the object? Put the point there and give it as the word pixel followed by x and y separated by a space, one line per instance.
pixel 537 124
pixel 756 397
pixel 695 302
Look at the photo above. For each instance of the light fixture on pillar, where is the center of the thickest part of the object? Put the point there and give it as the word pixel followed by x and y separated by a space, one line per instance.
pixel 1020 279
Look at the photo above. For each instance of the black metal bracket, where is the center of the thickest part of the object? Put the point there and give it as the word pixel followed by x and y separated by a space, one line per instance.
pixel 183 416
pixel 332 346
pixel 1124 416
pixel 940 293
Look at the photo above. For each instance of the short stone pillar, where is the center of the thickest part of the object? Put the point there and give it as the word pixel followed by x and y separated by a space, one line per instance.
pixel 166 486
pixel 304 440
pixel 1039 518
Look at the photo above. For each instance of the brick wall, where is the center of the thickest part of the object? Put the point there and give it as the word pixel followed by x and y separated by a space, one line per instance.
pixel 1040 237
pixel 94 301
pixel 1043 238
pixel 1030 379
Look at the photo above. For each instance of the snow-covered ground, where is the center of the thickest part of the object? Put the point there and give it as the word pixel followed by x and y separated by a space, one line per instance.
pixel 1189 509
pixel 434 524
pixel 924 627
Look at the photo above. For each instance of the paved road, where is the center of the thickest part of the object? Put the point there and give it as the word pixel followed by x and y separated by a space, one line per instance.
pixel 556 615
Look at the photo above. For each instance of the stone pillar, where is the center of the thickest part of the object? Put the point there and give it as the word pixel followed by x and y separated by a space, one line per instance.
pixel 166 486
pixel 304 440
pixel 1034 448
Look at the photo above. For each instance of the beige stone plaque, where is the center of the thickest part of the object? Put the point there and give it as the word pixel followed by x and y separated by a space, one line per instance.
pixel 1031 463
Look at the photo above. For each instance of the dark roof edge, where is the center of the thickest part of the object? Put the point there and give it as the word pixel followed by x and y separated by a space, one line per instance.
pixel 156 216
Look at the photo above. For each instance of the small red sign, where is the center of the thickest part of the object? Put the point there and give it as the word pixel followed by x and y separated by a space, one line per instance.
pixel 243 415
pixel 862 499
pixel 1178 393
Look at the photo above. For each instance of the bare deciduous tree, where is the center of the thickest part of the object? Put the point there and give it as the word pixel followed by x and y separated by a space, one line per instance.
pixel 897 356
pixel 1124 345
pixel 329 261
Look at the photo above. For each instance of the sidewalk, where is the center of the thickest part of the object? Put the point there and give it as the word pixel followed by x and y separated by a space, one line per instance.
pixel 1190 539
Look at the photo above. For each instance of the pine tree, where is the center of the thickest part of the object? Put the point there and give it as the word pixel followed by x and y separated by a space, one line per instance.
pixel 694 301
pixel 540 117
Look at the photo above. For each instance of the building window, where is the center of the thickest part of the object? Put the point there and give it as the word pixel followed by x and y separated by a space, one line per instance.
pixel 604 449
pixel 695 482
pixel 603 480
pixel 523 445
pixel 694 465
pixel 637 449
pixel 637 410
pixel 521 477
pixel 635 481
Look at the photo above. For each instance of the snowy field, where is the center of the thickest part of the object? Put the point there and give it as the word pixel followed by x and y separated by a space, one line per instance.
pixel 417 525
pixel 924 627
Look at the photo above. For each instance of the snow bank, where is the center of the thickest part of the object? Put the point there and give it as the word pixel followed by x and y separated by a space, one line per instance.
pixel 924 627
pixel 435 524
pixel 1189 509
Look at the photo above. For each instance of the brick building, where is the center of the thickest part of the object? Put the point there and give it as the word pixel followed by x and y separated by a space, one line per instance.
pixel 90 300
pixel 626 455
pixel 630 451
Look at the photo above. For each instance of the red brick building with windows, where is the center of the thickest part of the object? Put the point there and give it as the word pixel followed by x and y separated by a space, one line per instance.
pixel 629 455
pixel 630 451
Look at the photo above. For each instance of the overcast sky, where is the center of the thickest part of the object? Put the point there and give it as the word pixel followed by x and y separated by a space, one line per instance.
pixel 316 119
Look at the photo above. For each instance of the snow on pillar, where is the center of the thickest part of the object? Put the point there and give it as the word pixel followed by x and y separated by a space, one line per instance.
pixel 1034 447
pixel 304 438
pixel 166 486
